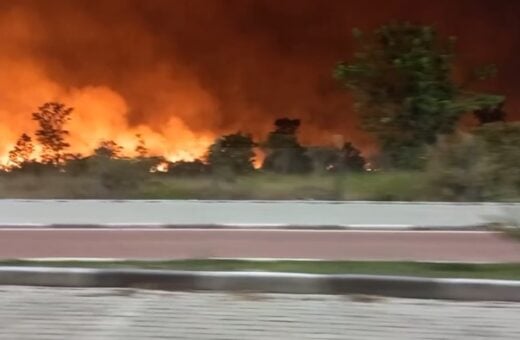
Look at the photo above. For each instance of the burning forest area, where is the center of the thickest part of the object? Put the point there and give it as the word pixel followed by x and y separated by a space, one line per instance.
pixel 259 99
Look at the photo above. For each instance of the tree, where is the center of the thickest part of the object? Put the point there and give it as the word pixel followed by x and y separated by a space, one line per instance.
pixel 22 152
pixel 284 154
pixel 401 79
pixel 108 149
pixel 51 134
pixel 141 149
pixel 232 153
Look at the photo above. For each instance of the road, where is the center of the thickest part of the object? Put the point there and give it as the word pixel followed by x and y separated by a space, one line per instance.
pixel 473 246
pixel 250 213
pixel 37 313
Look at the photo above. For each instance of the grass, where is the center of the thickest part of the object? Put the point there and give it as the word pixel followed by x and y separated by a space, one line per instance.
pixel 507 271
pixel 356 186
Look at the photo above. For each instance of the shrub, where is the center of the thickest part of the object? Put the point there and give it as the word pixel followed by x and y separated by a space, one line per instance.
pixel 484 165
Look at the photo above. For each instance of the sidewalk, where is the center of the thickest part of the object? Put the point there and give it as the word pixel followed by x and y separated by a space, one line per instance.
pixel 93 313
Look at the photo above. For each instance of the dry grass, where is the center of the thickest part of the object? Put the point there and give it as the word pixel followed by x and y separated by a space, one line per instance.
pixel 366 186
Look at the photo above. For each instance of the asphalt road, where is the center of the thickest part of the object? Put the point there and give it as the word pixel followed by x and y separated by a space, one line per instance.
pixel 250 213
pixel 473 246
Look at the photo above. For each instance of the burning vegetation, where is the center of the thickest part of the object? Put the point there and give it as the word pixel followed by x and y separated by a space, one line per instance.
pixel 282 152
pixel 133 67
pixel 127 90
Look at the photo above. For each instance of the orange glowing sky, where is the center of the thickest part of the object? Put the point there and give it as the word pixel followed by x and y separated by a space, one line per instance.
pixel 181 72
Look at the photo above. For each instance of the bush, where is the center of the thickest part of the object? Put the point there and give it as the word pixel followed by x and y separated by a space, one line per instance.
pixel 484 165
pixel 119 174
pixel 232 154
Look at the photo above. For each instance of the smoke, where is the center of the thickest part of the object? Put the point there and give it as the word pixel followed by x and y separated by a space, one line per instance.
pixel 180 72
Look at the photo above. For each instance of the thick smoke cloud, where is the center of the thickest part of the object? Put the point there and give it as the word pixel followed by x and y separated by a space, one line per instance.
pixel 180 72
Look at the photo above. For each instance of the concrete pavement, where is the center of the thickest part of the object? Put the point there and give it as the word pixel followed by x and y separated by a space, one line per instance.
pixel 249 213
pixel 29 313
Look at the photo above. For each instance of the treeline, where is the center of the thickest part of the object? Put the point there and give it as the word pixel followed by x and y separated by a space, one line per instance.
pixel 229 155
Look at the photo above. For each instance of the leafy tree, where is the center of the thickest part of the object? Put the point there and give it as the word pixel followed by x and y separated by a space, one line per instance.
pixel 232 153
pixel 51 134
pixel 401 79
pixel 22 152
pixel 108 149
pixel 284 154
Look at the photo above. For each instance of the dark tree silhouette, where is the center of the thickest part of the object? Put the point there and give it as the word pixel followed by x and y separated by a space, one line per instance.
pixel 188 168
pixel 108 149
pixel 491 114
pixel 351 158
pixel 141 149
pixel 233 153
pixel 286 126
pixel 51 134
pixel 284 154
pixel 22 151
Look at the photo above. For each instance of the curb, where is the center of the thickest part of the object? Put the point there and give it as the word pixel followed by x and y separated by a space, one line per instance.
pixel 265 282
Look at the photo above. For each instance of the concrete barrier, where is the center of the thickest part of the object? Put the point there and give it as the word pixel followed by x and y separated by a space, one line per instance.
pixel 267 282
pixel 249 214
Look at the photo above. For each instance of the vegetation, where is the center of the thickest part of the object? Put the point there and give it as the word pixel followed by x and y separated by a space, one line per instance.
pixel 284 154
pixel 480 166
pixel 402 82
pixel 22 151
pixel 232 154
pixel 108 149
pixel 401 79
pixel 507 271
pixel 119 180
pixel 51 133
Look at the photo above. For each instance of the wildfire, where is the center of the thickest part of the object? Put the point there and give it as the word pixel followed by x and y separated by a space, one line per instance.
pixel 161 167
pixel 99 115
pixel 121 87
pixel 174 117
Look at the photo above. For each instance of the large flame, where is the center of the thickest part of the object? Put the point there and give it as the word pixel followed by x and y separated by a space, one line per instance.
pixel 100 112
pixel 180 73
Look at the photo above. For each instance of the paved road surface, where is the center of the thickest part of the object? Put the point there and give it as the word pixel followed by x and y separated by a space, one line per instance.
pixel 247 213
pixel 230 243
pixel 30 313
